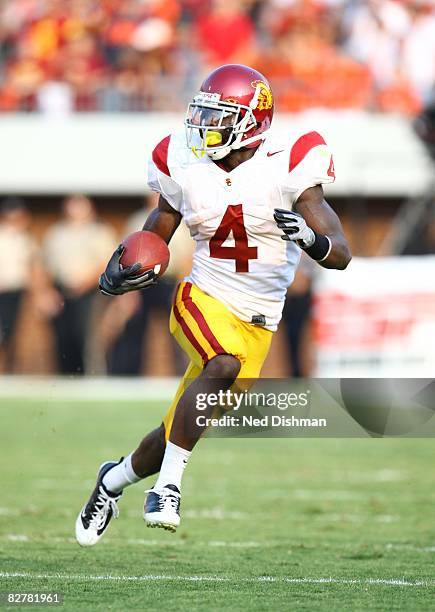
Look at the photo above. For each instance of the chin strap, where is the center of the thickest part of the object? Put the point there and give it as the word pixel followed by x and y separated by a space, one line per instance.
pixel 198 154
pixel 251 140
pixel 220 153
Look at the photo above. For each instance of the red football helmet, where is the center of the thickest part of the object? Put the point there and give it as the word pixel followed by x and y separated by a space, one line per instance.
pixel 232 109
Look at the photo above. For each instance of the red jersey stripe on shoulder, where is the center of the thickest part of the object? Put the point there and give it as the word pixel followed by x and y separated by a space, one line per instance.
pixel 160 155
pixel 302 146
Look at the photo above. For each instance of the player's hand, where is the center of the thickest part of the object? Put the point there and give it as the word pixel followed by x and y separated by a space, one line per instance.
pixel 117 280
pixel 294 227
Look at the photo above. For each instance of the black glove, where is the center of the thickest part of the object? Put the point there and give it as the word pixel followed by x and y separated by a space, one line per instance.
pixel 117 280
pixel 294 227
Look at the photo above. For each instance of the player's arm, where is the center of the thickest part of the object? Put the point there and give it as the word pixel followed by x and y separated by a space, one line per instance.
pixel 323 220
pixel 163 220
pixel 117 280
pixel 316 228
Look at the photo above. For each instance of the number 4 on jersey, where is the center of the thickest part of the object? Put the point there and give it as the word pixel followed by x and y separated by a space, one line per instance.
pixel 331 169
pixel 241 252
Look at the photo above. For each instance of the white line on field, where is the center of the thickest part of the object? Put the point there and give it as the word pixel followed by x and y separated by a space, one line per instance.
pixel 215 514
pixel 17 537
pixel 385 475
pixel 7 512
pixel 410 547
pixel 354 518
pixel 212 543
pixel 218 514
pixel 330 495
pixel 21 537
pixel 87 389
pixel 276 579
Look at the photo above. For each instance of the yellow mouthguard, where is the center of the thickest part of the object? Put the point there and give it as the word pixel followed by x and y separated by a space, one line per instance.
pixel 213 138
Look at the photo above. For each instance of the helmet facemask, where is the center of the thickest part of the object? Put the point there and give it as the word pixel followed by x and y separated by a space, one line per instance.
pixel 220 126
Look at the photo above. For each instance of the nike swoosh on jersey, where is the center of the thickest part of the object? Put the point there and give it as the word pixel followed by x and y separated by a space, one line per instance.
pixel 269 153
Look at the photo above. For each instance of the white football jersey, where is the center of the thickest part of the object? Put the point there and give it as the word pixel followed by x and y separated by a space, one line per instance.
pixel 240 257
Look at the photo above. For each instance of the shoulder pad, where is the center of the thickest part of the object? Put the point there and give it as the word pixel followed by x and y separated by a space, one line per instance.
pixel 303 146
pixel 160 155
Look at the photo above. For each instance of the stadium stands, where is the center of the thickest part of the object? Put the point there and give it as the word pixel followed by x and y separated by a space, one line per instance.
pixel 126 55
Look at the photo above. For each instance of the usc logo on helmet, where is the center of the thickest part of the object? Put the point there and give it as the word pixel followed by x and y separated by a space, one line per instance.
pixel 265 98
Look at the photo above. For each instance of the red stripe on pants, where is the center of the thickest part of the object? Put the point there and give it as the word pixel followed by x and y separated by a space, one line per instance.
pixel 199 318
pixel 189 335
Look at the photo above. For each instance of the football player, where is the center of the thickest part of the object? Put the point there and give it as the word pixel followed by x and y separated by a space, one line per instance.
pixel 252 202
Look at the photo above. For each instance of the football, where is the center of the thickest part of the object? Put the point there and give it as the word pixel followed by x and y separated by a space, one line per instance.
pixel 148 249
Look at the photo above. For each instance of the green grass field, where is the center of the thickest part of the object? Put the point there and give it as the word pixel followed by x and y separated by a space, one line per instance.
pixel 266 524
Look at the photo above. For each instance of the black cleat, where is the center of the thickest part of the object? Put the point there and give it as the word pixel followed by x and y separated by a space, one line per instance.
pixel 96 514
pixel 162 508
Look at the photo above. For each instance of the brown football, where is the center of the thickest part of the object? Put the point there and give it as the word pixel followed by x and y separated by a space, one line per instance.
pixel 148 249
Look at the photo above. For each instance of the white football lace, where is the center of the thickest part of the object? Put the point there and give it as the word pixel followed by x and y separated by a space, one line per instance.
pixel 167 501
pixel 103 504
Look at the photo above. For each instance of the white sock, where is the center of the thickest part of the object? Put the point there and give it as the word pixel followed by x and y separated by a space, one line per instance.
pixel 173 464
pixel 120 476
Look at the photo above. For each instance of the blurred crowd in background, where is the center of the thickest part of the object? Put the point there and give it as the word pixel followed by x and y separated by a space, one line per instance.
pixel 52 281
pixel 148 55
pixel 59 276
